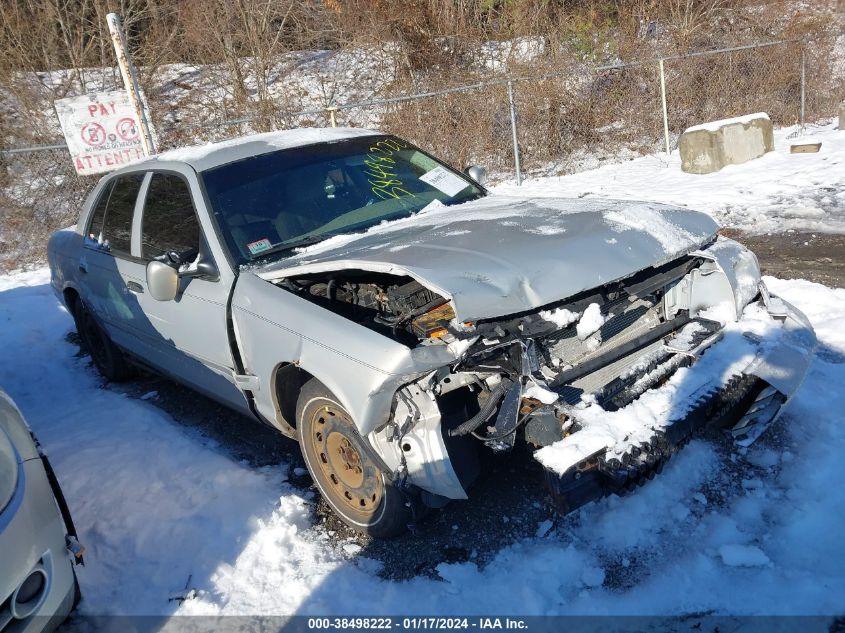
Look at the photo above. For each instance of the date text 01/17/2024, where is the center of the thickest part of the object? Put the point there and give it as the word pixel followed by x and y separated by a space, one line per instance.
pixel 416 623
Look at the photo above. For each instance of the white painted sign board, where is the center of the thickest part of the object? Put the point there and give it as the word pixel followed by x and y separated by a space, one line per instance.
pixel 101 130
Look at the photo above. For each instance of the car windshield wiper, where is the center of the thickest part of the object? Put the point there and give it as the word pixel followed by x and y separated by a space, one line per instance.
pixel 289 246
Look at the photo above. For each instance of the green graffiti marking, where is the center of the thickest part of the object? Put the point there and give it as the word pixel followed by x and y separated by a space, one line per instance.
pixel 381 170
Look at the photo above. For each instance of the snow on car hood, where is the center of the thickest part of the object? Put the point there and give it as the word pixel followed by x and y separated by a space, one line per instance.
pixel 500 255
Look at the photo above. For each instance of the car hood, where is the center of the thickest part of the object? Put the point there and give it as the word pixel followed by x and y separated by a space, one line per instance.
pixel 501 255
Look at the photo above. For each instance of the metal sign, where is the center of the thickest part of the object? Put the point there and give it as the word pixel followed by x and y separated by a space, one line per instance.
pixel 102 131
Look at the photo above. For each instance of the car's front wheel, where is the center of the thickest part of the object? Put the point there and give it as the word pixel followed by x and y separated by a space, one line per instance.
pixel 107 357
pixel 351 482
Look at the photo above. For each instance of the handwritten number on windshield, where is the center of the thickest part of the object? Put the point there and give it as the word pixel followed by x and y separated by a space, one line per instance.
pixel 381 166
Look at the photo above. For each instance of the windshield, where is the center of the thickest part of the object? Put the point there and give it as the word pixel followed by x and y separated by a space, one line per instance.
pixel 274 202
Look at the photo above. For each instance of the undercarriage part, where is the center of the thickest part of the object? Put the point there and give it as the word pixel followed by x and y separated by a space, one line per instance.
pixel 544 428
pixel 503 436
pixel 600 474
pixel 485 413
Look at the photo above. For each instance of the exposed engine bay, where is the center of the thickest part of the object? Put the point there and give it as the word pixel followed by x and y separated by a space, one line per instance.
pixel 527 377
pixel 398 307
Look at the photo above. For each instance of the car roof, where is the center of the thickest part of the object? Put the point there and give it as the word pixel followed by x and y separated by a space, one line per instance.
pixel 210 155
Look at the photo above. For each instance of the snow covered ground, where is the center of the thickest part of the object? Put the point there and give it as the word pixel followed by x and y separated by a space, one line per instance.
pixel 156 505
pixel 164 510
pixel 776 192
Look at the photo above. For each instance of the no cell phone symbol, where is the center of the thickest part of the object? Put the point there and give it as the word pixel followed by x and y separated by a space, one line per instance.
pixel 127 130
pixel 94 134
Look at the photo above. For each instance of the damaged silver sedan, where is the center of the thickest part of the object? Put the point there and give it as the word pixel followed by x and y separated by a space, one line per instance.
pixel 359 295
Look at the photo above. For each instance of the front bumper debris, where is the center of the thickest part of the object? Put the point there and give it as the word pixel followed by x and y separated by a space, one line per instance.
pixel 742 403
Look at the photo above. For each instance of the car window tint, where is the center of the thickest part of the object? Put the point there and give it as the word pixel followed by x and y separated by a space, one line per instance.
pixel 169 223
pixel 117 227
pixel 95 226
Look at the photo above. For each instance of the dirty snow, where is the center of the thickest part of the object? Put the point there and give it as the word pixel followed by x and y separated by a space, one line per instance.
pixel 779 191
pixel 156 504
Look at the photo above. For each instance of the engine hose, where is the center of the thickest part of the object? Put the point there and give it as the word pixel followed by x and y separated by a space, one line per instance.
pixel 484 414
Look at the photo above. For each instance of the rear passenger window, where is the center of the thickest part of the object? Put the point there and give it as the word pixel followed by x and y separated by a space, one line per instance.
pixel 95 227
pixel 169 222
pixel 117 226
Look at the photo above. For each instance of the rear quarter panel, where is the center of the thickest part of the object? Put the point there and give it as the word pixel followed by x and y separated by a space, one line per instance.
pixel 64 248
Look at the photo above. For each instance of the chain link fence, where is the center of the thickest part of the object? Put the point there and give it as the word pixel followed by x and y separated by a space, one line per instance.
pixel 550 123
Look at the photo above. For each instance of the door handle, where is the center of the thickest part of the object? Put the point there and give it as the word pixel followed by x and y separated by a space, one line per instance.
pixel 83 268
pixel 135 287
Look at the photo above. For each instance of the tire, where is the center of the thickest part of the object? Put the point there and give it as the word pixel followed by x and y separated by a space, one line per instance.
pixel 109 360
pixel 351 482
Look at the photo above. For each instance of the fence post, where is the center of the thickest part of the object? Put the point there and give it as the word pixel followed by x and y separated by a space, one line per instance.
pixel 332 110
pixel 513 130
pixel 803 84
pixel 130 82
pixel 665 111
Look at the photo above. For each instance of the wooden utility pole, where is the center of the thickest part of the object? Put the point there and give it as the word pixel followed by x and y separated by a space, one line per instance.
pixel 130 82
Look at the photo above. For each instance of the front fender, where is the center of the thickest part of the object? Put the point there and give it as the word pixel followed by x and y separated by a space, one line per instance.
pixel 362 368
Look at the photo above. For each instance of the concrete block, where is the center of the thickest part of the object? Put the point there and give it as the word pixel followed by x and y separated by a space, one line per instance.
pixel 710 147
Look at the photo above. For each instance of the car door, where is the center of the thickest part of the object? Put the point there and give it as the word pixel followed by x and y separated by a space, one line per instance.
pixel 108 270
pixel 192 330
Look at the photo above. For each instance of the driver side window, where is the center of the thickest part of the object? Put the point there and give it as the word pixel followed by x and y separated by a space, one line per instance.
pixel 169 223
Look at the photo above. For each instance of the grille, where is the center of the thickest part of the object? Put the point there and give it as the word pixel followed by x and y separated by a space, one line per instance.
pixel 630 319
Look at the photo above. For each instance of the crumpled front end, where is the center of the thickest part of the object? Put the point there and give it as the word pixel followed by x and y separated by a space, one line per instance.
pixel 737 378
pixel 606 384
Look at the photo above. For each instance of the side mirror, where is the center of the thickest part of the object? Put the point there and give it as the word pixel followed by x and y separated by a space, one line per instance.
pixel 162 281
pixel 206 269
pixel 478 174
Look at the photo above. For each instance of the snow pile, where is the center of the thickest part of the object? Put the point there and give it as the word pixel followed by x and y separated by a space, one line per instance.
pixel 713 126
pixel 156 504
pixel 775 192
pixel 561 317
pixel 590 321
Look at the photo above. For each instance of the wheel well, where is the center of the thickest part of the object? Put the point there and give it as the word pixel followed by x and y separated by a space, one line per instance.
pixel 70 295
pixel 287 384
